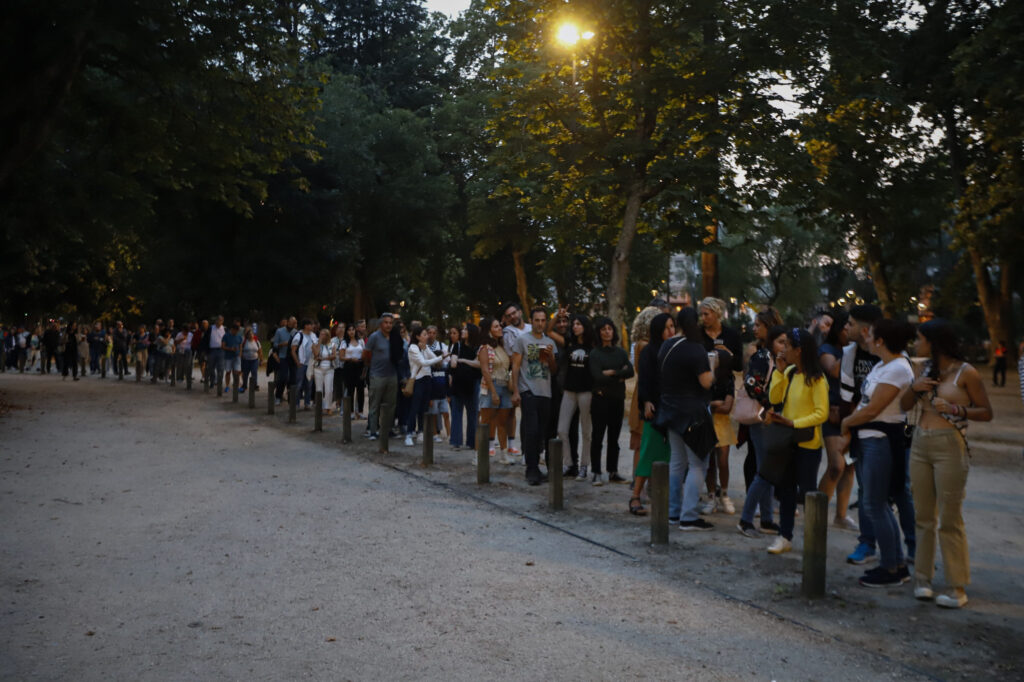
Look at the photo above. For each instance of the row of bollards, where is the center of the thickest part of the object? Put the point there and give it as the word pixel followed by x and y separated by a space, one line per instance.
pixel 815 503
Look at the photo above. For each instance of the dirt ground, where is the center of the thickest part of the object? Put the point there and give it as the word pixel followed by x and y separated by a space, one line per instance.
pixel 154 533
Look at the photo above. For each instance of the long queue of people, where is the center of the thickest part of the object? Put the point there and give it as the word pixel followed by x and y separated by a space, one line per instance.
pixel 846 385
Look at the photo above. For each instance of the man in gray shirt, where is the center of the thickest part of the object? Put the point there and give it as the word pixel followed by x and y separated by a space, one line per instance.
pixel 533 364
pixel 383 380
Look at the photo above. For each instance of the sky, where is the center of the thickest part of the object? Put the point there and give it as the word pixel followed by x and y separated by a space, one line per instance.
pixel 449 7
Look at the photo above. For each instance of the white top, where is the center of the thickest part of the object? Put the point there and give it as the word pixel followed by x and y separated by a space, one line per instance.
pixel 216 335
pixel 421 362
pixel 354 351
pixel 303 344
pixel 897 372
pixel 325 354
pixel 339 352
pixel 509 334
pixel 183 342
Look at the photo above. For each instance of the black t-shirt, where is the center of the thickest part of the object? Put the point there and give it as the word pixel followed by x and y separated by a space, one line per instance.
pixel 863 362
pixel 577 371
pixel 680 364
pixel 730 338
pixel 724 384
pixel 464 377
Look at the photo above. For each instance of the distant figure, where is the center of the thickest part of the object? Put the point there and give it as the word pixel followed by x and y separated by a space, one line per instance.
pixel 999 371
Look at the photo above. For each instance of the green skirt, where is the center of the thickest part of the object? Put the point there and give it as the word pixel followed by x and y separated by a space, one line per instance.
pixel 653 448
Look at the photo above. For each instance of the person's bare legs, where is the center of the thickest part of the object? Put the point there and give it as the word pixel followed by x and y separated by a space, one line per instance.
pixel 836 473
pixel 843 492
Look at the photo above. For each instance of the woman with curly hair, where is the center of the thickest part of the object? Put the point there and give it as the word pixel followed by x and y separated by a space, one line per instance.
pixel 640 336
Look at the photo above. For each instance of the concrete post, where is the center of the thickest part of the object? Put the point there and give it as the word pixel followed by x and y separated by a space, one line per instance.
pixel 815 544
pixel 659 503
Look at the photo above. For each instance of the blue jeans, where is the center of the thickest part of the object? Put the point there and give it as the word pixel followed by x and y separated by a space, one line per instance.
pixel 303 386
pixel 904 504
pixel 419 403
pixel 760 492
pixel 686 472
pixel 471 404
pixel 250 368
pixel 95 353
pixel 876 474
pixel 214 365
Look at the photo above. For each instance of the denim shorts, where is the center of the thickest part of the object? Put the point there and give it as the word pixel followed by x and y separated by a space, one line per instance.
pixel 233 364
pixel 504 399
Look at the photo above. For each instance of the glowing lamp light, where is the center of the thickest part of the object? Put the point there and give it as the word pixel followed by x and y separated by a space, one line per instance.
pixel 568 34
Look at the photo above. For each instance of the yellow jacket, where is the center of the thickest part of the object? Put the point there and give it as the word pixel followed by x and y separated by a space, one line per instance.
pixel 805 405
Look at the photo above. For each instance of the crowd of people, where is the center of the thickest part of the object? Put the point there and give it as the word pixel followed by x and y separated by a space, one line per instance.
pixel 844 384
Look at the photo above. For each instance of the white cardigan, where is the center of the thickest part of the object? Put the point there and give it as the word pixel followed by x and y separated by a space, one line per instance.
pixel 421 362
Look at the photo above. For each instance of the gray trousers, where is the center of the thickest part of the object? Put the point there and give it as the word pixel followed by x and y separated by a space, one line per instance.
pixel 383 398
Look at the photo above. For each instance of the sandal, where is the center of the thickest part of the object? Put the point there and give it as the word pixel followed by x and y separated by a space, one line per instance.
pixel 636 508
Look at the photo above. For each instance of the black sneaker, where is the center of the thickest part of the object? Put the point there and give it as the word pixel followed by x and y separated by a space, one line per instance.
pixel 747 529
pixel 571 471
pixel 770 528
pixel 883 577
pixel 615 478
pixel 699 524
pixel 536 477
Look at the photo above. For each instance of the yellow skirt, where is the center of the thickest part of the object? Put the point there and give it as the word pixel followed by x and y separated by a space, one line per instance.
pixel 725 430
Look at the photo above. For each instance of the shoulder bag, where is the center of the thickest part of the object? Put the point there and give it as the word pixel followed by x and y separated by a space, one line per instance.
pixel 779 442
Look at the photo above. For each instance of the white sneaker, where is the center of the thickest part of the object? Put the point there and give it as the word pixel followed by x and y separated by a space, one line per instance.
pixel 923 591
pixel 582 476
pixel 726 504
pixel 846 523
pixel 707 506
pixel 952 600
pixel 509 458
pixel 780 545
pixel 438 439
pixel 597 479
pixel 409 442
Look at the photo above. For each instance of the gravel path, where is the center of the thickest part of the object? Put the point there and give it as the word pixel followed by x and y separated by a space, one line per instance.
pixel 153 534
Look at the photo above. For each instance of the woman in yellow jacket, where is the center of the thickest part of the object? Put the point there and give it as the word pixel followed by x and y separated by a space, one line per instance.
pixel 799 384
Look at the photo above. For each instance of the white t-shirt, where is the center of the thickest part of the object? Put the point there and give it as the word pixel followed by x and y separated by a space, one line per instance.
pixel 896 372
pixel 303 344
pixel 510 334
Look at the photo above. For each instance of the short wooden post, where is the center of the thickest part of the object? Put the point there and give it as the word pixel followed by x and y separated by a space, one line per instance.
pixel 293 402
pixel 138 371
pixel 234 387
pixel 429 428
pixel 483 457
pixel 220 385
pixel 555 499
pixel 318 411
pixel 188 375
pixel 659 503
pixel 346 419
pixel 252 391
pixel 815 544
pixel 271 388
pixel 174 370
pixel 206 380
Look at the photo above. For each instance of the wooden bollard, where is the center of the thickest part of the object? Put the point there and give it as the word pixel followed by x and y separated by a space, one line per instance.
pixel 318 411
pixel 188 376
pixel 174 371
pixel 270 397
pixel 252 391
pixel 206 381
pixel 428 440
pixel 659 503
pixel 555 499
pixel 234 387
pixel 138 371
pixel 483 456
pixel 220 385
pixel 346 419
pixel 293 403
pixel 815 544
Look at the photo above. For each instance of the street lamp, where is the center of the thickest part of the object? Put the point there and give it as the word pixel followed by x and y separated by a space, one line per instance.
pixel 569 35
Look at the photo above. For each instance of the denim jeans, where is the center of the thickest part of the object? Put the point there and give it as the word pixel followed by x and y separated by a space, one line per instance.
pixel 95 353
pixel 215 365
pixel 806 463
pixel 418 405
pixel 471 404
pixel 533 424
pixel 686 472
pixel 876 474
pixel 250 368
pixel 303 386
pixel 282 376
pixel 904 504
pixel 760 491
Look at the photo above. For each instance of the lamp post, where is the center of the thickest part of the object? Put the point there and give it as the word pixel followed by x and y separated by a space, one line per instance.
pixel 570 35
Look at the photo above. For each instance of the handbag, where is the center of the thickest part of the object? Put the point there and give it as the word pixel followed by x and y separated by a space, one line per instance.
pixel 746 410
pixel 700 436
pixel 408 386
pixel 779 443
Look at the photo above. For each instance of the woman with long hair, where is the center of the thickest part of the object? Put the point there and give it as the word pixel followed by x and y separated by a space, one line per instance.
pixel 838 478
pixel 465 385
pixel 756 380
pixel 421 361
pixel 322 356
pixel 577 391
pixel 70 341
pixel 354 370
pixel 252 356
pixel 799 386
pixel 495 395
pixel 609 368
pixel 654 441
pixel 949 392
pixel 640 336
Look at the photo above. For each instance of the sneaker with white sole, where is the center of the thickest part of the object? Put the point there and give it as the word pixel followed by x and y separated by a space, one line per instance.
pixel 509 458
pixel 726 505
pixel 951 600
pixel 582 475
pixel 780 545
pixel 513 450
pixel 923 590
pixel 597 479
pixel 707 506
pixel 409 442
pixel 438 439
pixel 846 523
pixel 747 529
pixel 698 525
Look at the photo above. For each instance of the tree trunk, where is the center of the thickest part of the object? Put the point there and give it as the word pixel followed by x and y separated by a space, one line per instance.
pixel 521 289
pixel 620 260
pixel 995 302
pixel 362 306
pixel 879 276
